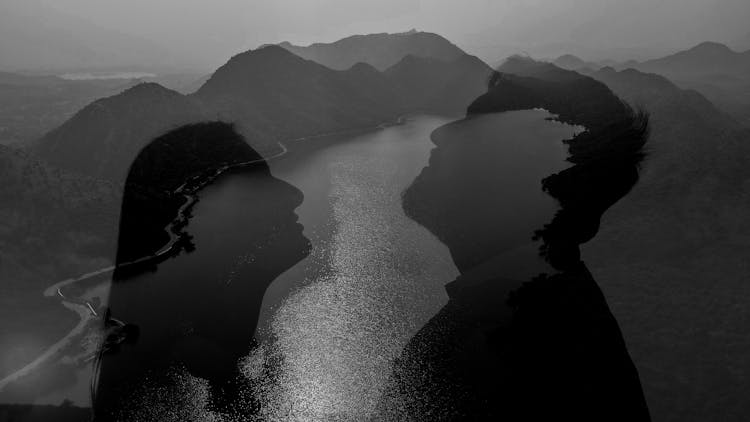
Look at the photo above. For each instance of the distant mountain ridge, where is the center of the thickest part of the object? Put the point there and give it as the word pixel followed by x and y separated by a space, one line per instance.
pixel 571 62
pixel 719 73
pixel 103 138
pixel 272 95
pixel 705 58
pixel 379 50
pixel 522 82
pixel 41 38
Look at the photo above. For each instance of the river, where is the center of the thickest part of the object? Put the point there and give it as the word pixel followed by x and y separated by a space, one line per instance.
pixel 330 326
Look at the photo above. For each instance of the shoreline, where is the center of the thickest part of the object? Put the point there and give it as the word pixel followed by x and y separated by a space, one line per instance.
pixel 175 229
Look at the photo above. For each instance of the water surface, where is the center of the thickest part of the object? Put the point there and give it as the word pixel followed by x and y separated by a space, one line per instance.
pixel 329 325
pixel 375 276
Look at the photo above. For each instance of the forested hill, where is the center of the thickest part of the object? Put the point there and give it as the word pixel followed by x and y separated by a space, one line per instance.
pixel 379 50
pixel 188 155
pixel 523 83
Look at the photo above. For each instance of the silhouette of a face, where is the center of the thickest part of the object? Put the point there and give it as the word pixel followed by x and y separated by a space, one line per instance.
pixel 197 312
pixel 503 344
pixel 481 193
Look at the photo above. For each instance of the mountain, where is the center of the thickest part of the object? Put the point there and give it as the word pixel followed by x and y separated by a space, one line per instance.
pixel 522 82
pixel 437 85
pixel 704 59
pixel 571 62
pixel 53 225
pixel 716 71
pixel 657 93
pixel 670 256
pixel 40 203
pixel 271 95
pixel 275 95
pixel 32 105
pixel 380 50
pixel 104 137
pixel 14 79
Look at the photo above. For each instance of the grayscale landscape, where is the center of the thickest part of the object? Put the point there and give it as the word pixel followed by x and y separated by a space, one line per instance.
pixel 374 211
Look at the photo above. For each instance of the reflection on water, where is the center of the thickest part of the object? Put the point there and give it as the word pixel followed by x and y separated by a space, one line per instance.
pixel 379 276
pixel 337 331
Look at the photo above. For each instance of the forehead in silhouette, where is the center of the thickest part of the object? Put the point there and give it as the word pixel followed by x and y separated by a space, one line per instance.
pixel 188 289
pixel 169 171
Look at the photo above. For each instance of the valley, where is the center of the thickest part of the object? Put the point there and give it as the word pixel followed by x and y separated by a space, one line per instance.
pixel 378 228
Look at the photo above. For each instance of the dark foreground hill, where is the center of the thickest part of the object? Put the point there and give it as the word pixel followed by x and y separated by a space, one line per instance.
pixel 379 50
pixel 671 255
pixel 441 86
pixel 53 225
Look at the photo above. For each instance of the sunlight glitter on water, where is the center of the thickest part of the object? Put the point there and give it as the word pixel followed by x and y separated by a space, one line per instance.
pixel 339 335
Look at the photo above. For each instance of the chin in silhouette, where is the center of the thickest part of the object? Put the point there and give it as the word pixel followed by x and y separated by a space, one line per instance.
pixel 183 308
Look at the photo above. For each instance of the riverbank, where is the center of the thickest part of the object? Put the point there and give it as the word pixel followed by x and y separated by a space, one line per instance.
pixel 89 310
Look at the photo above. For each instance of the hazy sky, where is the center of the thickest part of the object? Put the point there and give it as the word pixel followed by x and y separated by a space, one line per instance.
pixel 208 31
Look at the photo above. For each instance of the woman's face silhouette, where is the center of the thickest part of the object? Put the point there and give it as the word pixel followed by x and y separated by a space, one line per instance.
pixel 198 311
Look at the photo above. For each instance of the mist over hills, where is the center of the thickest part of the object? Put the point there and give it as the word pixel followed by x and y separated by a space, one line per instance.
pixel 570 62
pixel 32 105
pixel 379 50
pixel 273 94
pixel 669 255
pixel 721 74
pixel 713 69
pixel 708 58
pixel 43 39
pixel 103 138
